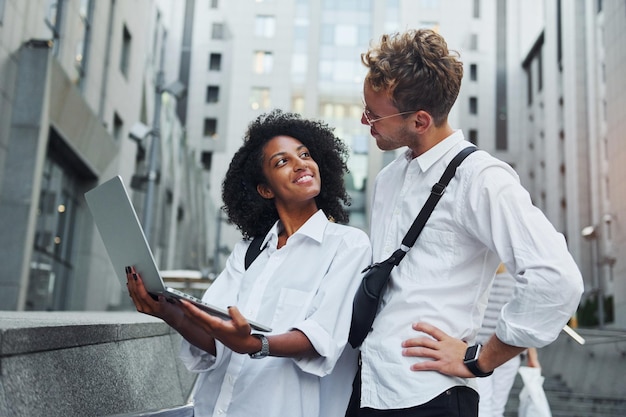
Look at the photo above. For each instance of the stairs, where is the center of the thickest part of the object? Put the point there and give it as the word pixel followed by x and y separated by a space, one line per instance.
pixel 565 403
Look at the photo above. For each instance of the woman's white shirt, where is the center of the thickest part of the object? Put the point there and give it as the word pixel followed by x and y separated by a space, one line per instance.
pixel 308 285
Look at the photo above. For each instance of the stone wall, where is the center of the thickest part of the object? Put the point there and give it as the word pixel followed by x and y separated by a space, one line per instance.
pixel 83 364
pixel 66 364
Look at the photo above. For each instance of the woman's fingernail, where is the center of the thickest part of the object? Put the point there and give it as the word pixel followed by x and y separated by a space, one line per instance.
pixel 128 269
pixel 134 276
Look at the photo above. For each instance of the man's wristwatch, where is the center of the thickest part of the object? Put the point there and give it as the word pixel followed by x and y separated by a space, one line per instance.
pixel 265 347
pixel 471 361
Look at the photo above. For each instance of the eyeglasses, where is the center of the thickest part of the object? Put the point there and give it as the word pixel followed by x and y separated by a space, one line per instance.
pixel 371 121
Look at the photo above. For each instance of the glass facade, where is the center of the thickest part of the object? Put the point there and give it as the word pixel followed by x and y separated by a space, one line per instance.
pixel 51 264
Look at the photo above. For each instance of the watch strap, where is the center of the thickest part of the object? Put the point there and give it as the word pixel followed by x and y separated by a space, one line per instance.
pixel 471 361
pixel 265 347
pixel 474 369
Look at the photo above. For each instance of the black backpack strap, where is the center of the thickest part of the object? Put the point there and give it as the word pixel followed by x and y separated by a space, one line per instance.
pixel 254 250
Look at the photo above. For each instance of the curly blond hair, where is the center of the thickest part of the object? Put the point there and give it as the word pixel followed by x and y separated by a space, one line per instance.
pixel 417 70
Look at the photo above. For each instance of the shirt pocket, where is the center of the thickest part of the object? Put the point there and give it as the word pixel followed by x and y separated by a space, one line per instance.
pixel 290 309
pixel 432 256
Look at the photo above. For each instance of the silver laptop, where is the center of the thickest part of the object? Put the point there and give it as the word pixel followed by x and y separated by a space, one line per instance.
pixel 126 244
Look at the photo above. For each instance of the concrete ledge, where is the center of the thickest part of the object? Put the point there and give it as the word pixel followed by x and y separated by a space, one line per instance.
pixel 88 364
pixel 41 331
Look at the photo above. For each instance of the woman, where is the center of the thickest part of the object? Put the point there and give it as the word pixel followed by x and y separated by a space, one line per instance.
pixel 285 183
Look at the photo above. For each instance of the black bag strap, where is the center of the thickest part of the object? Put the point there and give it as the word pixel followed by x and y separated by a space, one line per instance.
pixel 254 250
pixel 435 195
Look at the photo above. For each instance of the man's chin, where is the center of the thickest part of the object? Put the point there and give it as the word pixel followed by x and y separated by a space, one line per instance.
pixel 385 146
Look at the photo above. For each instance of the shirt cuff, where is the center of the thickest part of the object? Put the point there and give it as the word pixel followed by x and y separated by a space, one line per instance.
pixel 328 349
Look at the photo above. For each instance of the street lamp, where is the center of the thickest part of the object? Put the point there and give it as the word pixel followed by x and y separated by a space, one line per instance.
pixel 590 233
pixel 138 133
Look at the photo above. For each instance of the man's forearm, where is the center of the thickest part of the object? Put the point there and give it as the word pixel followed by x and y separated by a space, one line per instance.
pixel 495 353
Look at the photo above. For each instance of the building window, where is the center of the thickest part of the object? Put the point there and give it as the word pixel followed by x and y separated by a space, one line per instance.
pixel 265 26
pixel 155 38
pixel 346 35
pixel 299 67
pixel 118 126
pixel 473 42
pixel 473 105
pixel 327 35
pixel 54 15
pixel 529 84
pixel 125 57
pixel 206 159
pixel 217 31
pixel 215 62
pixel 214 4
pixel 539 70
pixel 83 43
pixel 260 98
pixel 339 70
pixel 79 52
pixel 52 259
pixel 263 62
pixel 476 11
pixel 212 94
pixel 210 127
pixel 473 136
pixel 429 4
pixel 2 2
pixel 473 72
pixel 297 104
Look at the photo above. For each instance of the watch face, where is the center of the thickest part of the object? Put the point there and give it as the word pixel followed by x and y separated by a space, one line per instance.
pixel 472 352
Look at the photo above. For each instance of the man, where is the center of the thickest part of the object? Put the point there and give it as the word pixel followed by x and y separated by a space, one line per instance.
pixel 420 359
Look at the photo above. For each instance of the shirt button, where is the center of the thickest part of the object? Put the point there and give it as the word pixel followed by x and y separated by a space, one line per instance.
pixel 220 411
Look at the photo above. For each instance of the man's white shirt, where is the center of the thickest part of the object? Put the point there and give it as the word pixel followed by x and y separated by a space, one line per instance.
pixel 484 217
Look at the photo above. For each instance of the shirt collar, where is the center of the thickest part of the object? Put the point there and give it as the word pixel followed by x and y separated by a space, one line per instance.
pixel 313 228
pixel 428 158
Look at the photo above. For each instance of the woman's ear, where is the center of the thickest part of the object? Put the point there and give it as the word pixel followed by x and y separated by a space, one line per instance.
pixel 265 191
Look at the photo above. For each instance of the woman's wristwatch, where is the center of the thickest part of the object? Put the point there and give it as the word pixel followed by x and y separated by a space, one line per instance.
pixel 265 347
pixel 471 361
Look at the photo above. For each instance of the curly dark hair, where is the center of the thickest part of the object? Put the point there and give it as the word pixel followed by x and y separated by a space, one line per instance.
pixel 417 70
pixel 254 215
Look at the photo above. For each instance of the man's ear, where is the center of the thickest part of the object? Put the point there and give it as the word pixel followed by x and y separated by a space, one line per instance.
pixel 265 191
pixel 423 121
